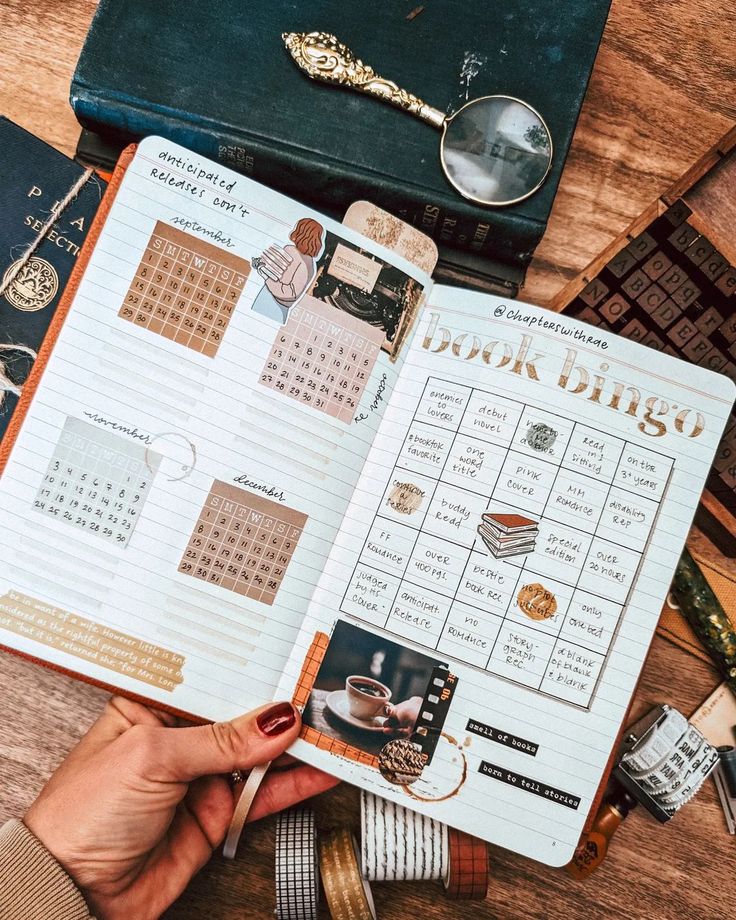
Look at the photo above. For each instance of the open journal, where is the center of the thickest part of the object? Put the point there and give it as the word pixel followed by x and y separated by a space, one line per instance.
pixel 264 457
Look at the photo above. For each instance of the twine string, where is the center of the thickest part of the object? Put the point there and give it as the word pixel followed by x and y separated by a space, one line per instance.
pixel 6 383
pixel 55 214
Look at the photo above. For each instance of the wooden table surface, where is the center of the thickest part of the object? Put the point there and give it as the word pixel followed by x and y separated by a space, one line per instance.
pixel 663 91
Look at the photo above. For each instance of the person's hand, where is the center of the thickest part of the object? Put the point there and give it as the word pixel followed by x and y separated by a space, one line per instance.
pixel 401 719
pixel 137 808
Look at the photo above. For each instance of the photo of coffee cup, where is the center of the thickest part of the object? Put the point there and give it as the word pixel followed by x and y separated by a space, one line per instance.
pixel 367 697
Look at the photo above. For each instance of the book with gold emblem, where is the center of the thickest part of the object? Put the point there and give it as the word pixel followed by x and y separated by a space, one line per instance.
pixel 35 179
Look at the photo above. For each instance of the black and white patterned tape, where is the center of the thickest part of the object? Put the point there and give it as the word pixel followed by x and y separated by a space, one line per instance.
pixel 297 869
pixel 400 845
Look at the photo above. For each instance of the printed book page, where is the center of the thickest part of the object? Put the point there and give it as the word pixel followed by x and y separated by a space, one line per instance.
pixel 479 629
pixel 197 434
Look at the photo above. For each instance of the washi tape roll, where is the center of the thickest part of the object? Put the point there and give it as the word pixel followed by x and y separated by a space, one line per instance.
pixel 400 845
pixel 297 865
pixel 348 893
pixel 467 876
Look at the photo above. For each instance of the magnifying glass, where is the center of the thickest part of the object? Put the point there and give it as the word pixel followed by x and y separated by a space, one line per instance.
pixel 495 150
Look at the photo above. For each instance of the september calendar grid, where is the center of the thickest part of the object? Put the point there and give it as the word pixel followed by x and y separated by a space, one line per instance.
pixel 545 618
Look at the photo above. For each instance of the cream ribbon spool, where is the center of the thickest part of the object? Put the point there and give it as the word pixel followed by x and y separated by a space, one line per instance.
pixel 242 807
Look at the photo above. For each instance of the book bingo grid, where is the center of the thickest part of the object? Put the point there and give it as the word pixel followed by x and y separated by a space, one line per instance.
pixel 185 289
pixel 545 616
pixel 242 542
pixel 97 481
pixel 323 357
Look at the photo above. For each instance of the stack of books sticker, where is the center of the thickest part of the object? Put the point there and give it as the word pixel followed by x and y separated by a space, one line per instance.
pixel 508 534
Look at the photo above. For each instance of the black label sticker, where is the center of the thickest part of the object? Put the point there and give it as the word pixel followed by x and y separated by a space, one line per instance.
pixel 500 737
pixel 529 785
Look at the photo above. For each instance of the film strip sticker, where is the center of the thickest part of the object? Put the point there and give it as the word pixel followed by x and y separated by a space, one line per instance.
pixel 432 715
pixel 307 677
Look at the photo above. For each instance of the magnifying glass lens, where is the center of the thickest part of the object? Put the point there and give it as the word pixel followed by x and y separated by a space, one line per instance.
pixel 496 150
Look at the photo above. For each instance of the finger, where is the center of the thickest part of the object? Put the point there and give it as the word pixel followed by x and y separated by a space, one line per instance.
pixel 286 788
pixel 211 802
pixel 118 716
pixel 185 849
pixel 183 754
pixel 284 762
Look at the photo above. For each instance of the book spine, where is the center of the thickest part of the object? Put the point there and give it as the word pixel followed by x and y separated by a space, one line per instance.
pixel 324 183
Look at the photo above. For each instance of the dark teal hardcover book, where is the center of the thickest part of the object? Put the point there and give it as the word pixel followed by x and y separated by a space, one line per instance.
pixel 33 178
pixel 216 78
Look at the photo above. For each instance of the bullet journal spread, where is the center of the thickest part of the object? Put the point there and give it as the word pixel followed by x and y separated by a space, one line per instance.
pixel 265 457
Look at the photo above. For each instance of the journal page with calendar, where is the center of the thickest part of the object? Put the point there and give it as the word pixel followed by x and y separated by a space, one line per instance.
pixel 196 435
pixel 501 567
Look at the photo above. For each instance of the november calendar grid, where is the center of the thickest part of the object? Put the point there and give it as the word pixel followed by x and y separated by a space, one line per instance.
pixel 97 481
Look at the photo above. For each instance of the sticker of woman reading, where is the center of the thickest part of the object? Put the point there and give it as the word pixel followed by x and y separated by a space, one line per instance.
pixel 289 271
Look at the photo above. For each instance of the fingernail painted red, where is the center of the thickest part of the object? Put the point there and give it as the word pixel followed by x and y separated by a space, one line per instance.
pixel 277 720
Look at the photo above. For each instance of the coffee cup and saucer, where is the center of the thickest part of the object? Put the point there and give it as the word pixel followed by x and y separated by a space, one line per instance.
pixel 362 704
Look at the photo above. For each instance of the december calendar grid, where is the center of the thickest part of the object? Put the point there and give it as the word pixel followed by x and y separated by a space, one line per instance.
pixel 425 574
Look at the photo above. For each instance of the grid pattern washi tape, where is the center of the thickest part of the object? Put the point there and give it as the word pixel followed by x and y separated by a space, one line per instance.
pixel 97 481
pixel 242 542
pixel 467 878
pixel 297 882
pixel 323 358
pixel 310 669
pixel 185 289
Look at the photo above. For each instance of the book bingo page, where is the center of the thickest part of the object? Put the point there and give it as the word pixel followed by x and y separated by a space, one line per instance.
pixel 518 519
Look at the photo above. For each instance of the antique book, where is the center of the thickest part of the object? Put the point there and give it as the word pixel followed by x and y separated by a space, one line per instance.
pixel 34 178
pixel 262 117
pixel 251 463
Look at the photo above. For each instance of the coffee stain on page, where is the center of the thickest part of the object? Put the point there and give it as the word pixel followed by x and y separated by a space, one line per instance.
pixel 463 762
